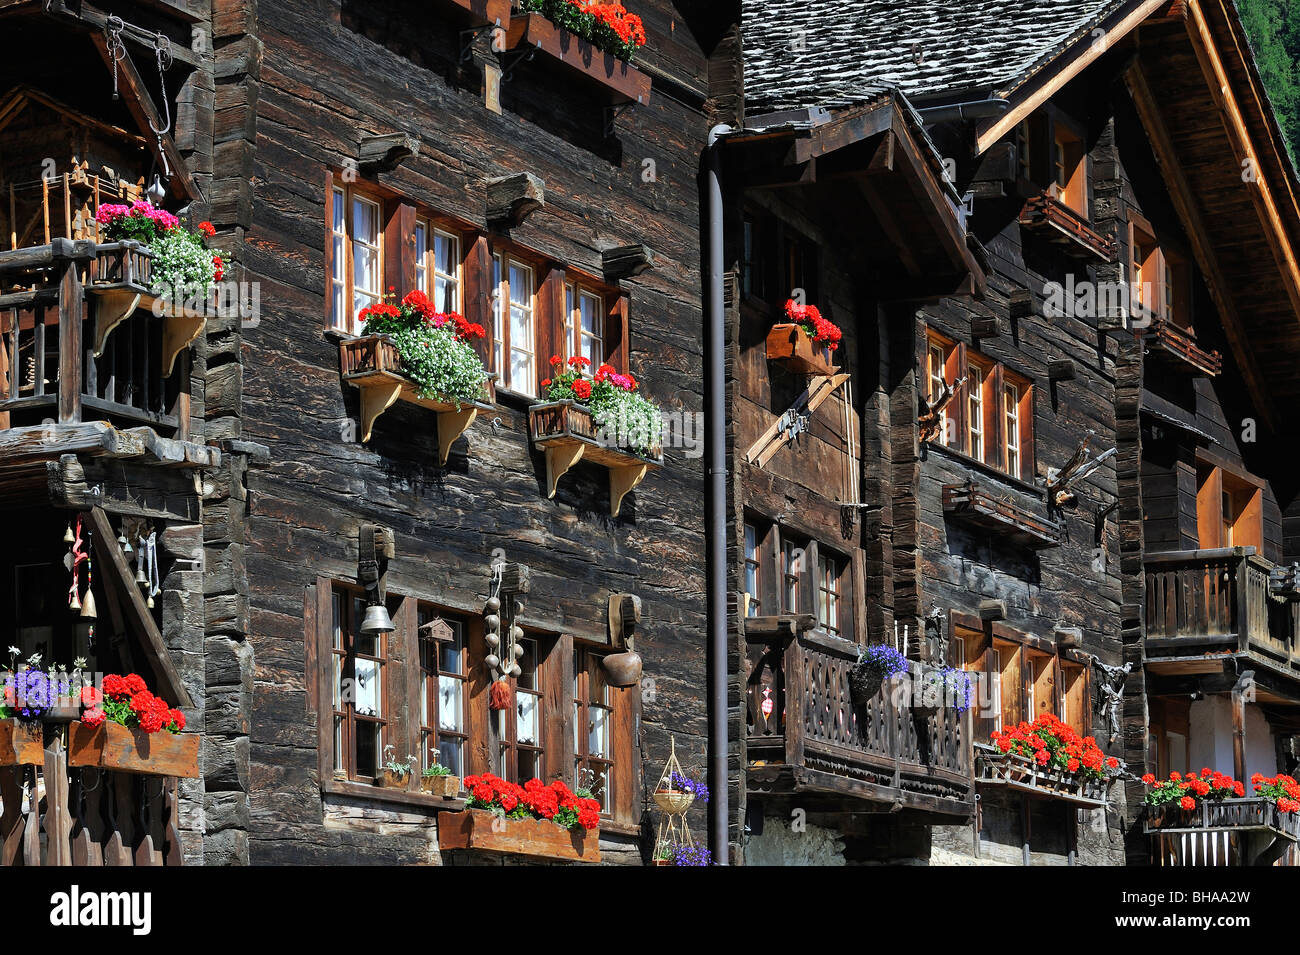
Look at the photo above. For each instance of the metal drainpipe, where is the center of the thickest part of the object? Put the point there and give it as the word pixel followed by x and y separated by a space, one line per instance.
pixel 964 112
pixel 716 503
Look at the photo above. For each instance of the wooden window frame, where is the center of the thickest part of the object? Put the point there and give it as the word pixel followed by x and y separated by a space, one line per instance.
pixel 787 545
pixel 585 663
pixel 753 563
pixel 831 569
pixel 352 191
pixel 502 259
pixel 1075 713
pixel 1244 526
pixel 430 732
pixel 571 333
pixel 343 718
pixel 426 269
pixel 992 406
pixel 508 744
pixel 1069 152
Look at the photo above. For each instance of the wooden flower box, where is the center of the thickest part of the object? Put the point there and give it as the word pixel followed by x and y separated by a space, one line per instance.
pixel 373 365
pixel 22 743
pixel 1023 774
pixel 789 346
pixel 567 433
pixel 622 82
pixel 122 282
pixel 478 829
pixel 1051 218
pixel 445 786
pixel 113 746
pixel 975 506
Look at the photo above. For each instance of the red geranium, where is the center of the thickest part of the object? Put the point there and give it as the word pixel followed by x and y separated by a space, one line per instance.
pixel 824 333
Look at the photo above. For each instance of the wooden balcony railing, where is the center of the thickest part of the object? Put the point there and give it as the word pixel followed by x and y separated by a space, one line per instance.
pixel 53 815
pixel 1200 600
pixel 805 734
pixel 75 348
pixel 1232 832
pixel 1170 342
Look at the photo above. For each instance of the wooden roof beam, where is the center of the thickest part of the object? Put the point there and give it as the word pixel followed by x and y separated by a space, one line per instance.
pixel 1221 91
pixel 1184 202
pixel 140 104
pixel 1028 100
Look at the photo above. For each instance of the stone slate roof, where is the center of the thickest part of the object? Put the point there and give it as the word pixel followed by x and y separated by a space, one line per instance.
pixel 800 53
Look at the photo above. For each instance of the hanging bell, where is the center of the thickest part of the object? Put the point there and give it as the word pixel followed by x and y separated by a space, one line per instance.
pixel 377 621
pixel 140 578
pixel 75 602
pixel 88 606
pixel 492 661
pixel 492 640
pixel 68 537
pixel 124 543
pixel 156 192
pixel 149 602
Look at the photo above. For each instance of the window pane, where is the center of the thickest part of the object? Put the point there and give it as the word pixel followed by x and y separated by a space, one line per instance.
pixel 528 665
pixel 449 755
pixel 446 257
pixel 367 688
pixel 449 704
pixel 421 258
pixel 598 732
pixel 521 372
pixel 368 748
pixel 530 766
pixel 451 654
pixel 526 718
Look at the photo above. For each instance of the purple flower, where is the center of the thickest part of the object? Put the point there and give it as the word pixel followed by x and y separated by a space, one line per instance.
pixel 692 855
pixel 684 783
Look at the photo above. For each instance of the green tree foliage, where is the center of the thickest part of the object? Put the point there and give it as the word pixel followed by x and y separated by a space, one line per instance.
pixel 1274 30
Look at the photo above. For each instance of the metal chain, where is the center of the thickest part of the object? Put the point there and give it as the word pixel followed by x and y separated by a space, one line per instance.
pixel 163 54
pixel 116 48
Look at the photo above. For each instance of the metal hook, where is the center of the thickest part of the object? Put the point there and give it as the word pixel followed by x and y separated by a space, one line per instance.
pixel 99 778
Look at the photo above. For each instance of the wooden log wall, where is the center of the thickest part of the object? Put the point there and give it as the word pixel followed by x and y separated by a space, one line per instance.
pixel 316 78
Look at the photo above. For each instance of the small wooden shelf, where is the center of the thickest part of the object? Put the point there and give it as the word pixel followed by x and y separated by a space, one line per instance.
pixel 1050 217
pixel 623 82
pixel 372 365
pixel 566 431
pixel 113 746
pixel 973 505
pixel 789 346
pixel 480 830
pixel 1169 342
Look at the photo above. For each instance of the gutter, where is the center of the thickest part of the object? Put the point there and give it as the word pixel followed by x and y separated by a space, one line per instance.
pixel 964 112
pixel 715 384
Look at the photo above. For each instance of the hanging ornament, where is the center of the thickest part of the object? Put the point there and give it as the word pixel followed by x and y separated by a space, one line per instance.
pixel 88 611
pixel 67 535
pixel 499 695
pixel 78 555
pixel 156 192
pixel 124 543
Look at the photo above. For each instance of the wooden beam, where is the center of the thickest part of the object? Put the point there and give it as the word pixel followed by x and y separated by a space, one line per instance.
pixel 1221 90
pixel 137 613
pixel 850 127
pixel 141 106
pixel 1180 191
pixel 993 130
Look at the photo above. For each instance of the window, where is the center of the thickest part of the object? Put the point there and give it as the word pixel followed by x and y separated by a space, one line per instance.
pixel 1229 508
pixel 792 568
pixel 513 342
pixel 437 266
pixel 1069 169
pixel 753 571
pixel 1161 278
pixel 1040 687
pixel 1074 696
pixel 442 693
pixel 1024 154
pixel 993 420
pixel 828 593
pixel 358 663
pixel 356 264
pixel 593 722
pixel 584 324
pixel 519 729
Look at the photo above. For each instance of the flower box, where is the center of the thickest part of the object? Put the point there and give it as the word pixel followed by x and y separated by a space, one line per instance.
pixel 480 830
pixel 446 786
pixel 22 743
pixel 789 346
pixel 114 746
pixel 372 365
pixel 1023 774
pixel 568 434
pixel 622 81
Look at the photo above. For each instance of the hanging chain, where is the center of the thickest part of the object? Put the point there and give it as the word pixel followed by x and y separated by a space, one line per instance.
pixel 163 53
pixel 116 48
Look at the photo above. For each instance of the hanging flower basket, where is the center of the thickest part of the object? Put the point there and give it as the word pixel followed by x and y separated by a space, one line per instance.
pixel 878 663
pixel 674 801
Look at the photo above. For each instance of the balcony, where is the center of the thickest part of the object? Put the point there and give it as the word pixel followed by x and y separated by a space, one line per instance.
pixel 1020 774
pixel 981 509
pixel 1202 605
pixel 1049 217
pixel 805 735
pixel 1233 832
pixel 89 805
pixel 1176 346
pixel 80 343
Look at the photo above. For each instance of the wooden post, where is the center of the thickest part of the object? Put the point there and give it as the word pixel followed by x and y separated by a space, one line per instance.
pixel 70 320
pixel 58 821
pixel 1239 731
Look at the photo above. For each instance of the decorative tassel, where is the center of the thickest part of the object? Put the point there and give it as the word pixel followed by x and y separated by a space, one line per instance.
pixel 499 695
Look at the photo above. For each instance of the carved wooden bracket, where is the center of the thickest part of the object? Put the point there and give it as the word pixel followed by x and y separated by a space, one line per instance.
pixel 386 153
pixel 511 199
pixel 626 261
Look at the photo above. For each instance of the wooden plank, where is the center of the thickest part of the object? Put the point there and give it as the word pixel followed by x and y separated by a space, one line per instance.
pixel 138 615
pixel 116 747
